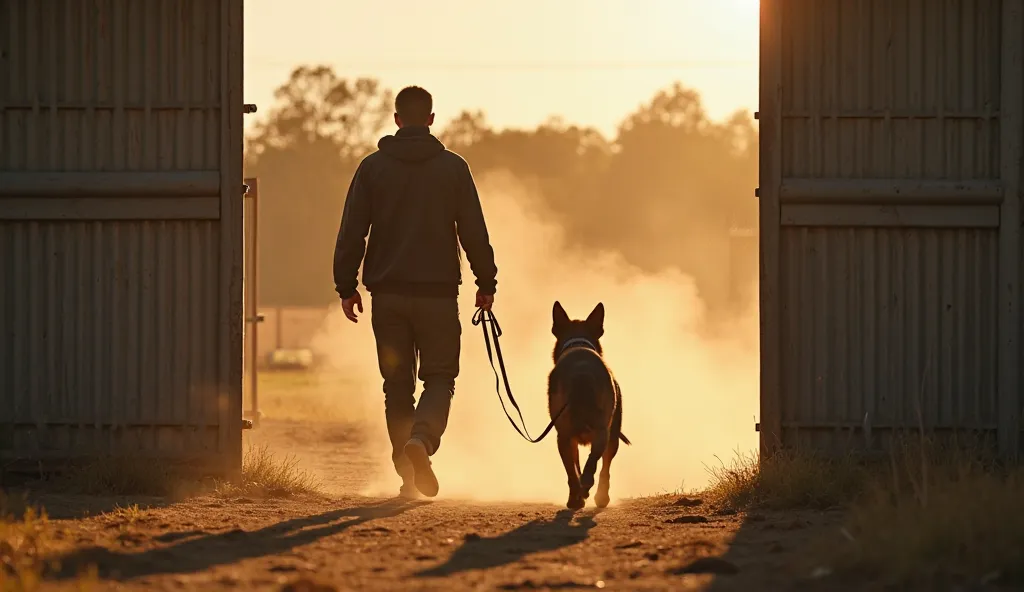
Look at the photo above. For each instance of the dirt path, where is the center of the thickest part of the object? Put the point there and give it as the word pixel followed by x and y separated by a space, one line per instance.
pixel 363 544
pixel 349 542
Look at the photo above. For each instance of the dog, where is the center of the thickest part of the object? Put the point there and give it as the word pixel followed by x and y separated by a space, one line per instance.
pixel 585 404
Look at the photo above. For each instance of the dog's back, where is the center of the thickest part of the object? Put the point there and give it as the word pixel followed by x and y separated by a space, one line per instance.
pixel 582 384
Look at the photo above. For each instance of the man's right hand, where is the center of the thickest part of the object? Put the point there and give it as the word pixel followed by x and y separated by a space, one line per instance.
pixel 484 301
pixel 349 305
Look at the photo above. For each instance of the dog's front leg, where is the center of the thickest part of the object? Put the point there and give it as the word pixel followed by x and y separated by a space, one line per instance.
pixel 567 449
pixel 597 447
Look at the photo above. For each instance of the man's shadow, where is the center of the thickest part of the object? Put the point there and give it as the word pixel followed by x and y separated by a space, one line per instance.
pixel 533 537
pixel 198 551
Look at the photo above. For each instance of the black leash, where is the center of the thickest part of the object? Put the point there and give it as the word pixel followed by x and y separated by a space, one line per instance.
pixel 483 318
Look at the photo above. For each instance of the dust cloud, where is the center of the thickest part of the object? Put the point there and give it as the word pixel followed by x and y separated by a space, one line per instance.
pixel 686 396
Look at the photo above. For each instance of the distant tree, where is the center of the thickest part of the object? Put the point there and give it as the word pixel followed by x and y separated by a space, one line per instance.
pixel 664 192
pixel 678 182
pixel 304 153
pixel 466 130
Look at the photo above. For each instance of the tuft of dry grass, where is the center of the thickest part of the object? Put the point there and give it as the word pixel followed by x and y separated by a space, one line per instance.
pixel 127 514
pixel 264 475
pixel 25 535
pixel 27 539
pixel 788 480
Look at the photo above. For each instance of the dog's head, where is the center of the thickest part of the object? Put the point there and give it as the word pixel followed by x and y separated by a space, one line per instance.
pixel 565 329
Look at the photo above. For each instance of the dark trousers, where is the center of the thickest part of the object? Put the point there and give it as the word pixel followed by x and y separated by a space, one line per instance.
pixel 407 328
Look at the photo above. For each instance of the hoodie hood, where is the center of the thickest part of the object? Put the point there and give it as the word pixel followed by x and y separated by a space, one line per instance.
pixel 411 144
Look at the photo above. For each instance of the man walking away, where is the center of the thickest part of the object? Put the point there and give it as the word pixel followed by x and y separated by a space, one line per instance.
pixel 421 202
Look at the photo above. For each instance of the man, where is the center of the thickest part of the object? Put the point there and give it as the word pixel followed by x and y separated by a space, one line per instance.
pixel 421 202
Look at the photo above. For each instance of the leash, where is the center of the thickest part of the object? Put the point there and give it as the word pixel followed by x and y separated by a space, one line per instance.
pixel 483 318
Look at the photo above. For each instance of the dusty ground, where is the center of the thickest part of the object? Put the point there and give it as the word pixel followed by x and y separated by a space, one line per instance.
pixel 349 542
pixel 358 543
pixel 361 544
pixel 346 541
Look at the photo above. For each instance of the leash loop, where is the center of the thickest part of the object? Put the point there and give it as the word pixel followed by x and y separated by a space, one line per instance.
pixel 483 318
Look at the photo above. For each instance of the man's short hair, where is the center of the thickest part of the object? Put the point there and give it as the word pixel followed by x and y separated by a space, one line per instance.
pixel 414 105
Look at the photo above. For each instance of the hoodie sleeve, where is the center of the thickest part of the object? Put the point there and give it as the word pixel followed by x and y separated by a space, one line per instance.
pixel 351 245
pixel 473 234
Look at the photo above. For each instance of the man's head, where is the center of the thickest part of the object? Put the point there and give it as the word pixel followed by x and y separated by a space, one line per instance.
pixel 414 106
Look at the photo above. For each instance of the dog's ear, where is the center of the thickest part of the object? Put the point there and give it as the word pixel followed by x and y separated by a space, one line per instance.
pixel 596 320
pixel 559 319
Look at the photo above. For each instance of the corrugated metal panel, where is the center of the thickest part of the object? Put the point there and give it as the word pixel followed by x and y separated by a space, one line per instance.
pixel 111 85
pixel 898 324
pixel 122 299
pixel 891 89
pixel 110 336
pixel 890 228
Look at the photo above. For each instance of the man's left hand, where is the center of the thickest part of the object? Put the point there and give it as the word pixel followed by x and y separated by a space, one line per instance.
pixel 349 305
pixel 484 301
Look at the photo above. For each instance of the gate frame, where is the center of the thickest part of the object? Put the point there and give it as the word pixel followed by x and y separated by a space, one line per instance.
pixel 250 301
pixel 1011 100
pixel 769 219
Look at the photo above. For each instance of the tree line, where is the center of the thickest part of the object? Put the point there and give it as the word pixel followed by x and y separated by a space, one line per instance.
pixel 664 192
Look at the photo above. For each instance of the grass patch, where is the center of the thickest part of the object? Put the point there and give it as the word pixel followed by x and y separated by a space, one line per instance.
pixel 27 539
pixel 942 512
pixel 970 527
pixel 265 475
pixel 23 545
pixel 788 480
pixel 300 395
pixel 25 536
pixel 929 513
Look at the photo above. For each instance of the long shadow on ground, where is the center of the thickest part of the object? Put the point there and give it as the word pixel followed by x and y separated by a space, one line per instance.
pixel 71 506
pixel 772 551
pixel 198 553
pixel 533 537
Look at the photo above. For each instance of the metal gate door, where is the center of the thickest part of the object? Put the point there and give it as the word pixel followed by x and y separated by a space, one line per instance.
pixel 890 213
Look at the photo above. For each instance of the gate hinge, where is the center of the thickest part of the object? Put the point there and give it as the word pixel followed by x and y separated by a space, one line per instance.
pixel 248 108
pixel 757 192
pixel 757 427
pixel 757 115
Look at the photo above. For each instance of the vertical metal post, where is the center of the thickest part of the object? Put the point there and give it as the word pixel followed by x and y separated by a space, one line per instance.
pixel 252 316
pixel 1011 131
pixel 770 172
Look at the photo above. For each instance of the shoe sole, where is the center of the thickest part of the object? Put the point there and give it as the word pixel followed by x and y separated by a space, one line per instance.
pixel 426 481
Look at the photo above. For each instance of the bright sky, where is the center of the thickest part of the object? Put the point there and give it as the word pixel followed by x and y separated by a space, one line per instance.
pixel 588 61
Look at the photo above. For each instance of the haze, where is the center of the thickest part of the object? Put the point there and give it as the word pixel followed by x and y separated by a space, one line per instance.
pixel 616 157
pixel 590 61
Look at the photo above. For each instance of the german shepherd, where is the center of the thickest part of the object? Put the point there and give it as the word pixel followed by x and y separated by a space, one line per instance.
pixel 583 385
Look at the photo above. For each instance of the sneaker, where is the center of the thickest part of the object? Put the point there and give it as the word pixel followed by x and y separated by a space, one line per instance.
pixel 426 482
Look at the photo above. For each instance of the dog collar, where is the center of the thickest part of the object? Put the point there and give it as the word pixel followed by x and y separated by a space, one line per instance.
pixel 576 342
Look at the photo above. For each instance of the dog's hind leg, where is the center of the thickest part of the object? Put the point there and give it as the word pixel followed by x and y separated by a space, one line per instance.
pixel 597 447
pixel 604 483
pixel 568 450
